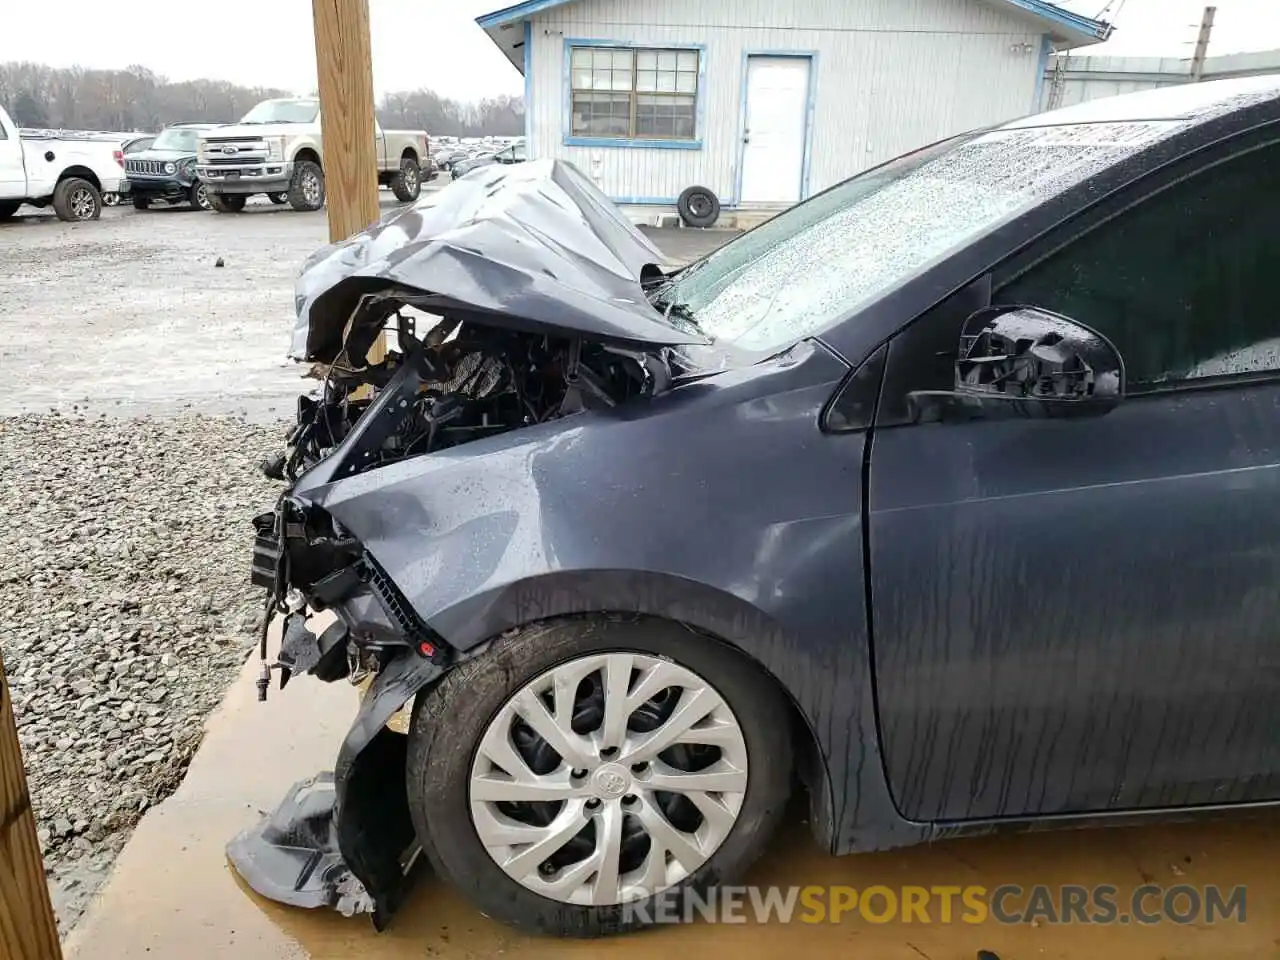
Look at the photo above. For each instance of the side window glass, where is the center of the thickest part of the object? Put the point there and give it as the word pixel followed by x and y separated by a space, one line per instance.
pixel 1184 283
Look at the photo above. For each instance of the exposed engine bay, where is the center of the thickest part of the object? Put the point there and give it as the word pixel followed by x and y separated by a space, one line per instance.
pixel 474 381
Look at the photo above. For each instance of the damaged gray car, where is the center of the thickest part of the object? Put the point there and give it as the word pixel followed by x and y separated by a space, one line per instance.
pixel 873 503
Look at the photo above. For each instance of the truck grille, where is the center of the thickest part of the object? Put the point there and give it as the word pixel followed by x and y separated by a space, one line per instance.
pixel 151 167
pixel 232 151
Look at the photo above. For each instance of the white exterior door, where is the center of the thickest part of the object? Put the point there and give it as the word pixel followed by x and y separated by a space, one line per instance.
pixel 774 135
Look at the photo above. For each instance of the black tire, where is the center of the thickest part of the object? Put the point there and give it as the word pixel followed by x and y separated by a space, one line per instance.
pixel 407 183
pixel 76 200
pixel 698 207
pixel 307 190
pixel 8 208
pixel 198 197
pixel 141 203
pixel 279 199
pixel 450 720
pixel 227 202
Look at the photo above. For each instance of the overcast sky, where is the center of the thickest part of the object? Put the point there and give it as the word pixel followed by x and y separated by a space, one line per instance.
pixel 436 44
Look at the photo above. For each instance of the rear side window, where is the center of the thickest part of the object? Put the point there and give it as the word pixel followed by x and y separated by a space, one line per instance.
pixel 1185 284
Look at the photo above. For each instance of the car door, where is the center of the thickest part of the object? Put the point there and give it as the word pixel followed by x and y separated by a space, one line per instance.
pixel 1084 615
pixel 13 177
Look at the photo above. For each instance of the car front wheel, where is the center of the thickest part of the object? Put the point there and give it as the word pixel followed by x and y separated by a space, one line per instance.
pixel 584 776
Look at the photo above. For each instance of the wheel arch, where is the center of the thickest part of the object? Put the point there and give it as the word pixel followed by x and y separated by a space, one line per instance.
pixel 308 154
pixel 82 173
pixel 408 153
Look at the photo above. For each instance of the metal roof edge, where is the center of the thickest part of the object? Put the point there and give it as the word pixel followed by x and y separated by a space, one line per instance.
pixel 517 12
pixel 1099 30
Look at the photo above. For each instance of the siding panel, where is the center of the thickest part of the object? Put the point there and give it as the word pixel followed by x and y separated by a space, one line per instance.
pixel 890 75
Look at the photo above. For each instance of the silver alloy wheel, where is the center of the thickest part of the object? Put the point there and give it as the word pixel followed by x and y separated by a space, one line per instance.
pixel 610 794
pixel 410 178
pixel 311 187
pixel 81 203
pixel 202 197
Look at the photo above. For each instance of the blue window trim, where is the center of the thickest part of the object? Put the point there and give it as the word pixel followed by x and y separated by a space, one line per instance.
pixel 1046 49
pixel 528 83
pixel 700 104
pixel 811 99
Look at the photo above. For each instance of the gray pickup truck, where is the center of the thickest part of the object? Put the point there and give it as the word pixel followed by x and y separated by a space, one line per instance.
pixel 276 150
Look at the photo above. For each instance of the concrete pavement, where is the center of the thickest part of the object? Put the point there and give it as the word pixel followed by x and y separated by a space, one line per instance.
pixel 174 896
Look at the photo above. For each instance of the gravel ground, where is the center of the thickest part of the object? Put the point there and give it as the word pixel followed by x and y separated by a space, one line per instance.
pixel 126 612
pixel 144 385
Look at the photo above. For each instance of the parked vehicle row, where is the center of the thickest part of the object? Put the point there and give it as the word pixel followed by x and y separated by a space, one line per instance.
pixel 275 150
pixel 515 153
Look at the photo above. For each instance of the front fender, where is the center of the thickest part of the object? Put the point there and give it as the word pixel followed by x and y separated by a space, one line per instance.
pixel 721 504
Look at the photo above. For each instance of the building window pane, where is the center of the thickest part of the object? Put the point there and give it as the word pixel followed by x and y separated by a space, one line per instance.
pixel 601 114
pixel 632 93
pixel 665 118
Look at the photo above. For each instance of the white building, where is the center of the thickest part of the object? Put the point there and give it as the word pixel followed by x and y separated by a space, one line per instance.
pixel 766 102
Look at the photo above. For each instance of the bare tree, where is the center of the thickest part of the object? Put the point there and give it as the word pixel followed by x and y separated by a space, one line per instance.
pixel 136 98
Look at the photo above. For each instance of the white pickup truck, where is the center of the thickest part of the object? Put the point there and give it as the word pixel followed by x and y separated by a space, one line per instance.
pixel 275 150
pixel 71 174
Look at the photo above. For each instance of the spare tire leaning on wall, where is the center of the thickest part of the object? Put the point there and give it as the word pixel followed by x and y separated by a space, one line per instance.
pixel 698 207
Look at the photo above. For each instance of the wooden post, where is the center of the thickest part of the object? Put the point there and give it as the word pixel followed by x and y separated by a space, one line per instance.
pixel 28 930
pixel 1202 43
pixel 344 66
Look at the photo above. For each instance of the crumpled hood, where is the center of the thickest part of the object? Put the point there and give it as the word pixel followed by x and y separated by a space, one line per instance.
pixel 535 245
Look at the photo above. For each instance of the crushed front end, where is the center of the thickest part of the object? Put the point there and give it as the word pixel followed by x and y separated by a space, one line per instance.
pixel 513 302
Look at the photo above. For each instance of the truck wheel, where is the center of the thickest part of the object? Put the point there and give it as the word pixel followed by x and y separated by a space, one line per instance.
pixel 7 209
pixel 141 203
pixel 227 202
pixel 407 185
pixel 199 197
pixel 307 191
pixel 278 198
pixel 75 200
pixel 558 817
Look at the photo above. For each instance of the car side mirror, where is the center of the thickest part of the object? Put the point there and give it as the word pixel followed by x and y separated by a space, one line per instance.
pixel 1026 362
